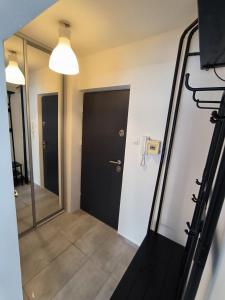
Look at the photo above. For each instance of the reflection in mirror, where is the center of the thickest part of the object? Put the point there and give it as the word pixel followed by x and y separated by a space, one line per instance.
pixel 45 116
pixel 18 131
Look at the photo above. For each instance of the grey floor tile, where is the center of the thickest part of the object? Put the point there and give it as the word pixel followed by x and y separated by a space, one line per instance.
pixel 46 207
pixel 90 268
pixel 39 248
pixel 25 223
pixel 24 194
pixel 20 204
pixel 24 189
pixel 79 227
pixel 24 213
pixel 46 204
pixel 107 290
pixel 66 220
pixel 94 238
pixel 124 261
pixel 84 285
pixel 52 279
pixel 110 252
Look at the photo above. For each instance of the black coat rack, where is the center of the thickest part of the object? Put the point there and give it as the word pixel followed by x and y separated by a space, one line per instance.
pixel 207 211
pixel 163 269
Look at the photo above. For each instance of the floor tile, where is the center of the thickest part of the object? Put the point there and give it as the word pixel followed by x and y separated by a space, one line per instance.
pixel 19 204
pixel 24 194
pixel 25 223
pixel 38 248
pixel 94 238
pixel 64 221
pixel 108 255
pixel 46 203
pixel 79 227
pixel 107 290
pixel 23 190
pixel 75 256
pixel 124 261
pixel 84 285
pixel 45 208
pixel 24 213
pixel 52 279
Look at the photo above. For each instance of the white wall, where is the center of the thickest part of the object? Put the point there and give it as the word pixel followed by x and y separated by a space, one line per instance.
pixel 20 12
pixel 73 141
pixel 148 69
pixel 147 66
pixel 16 113
pixel 216 288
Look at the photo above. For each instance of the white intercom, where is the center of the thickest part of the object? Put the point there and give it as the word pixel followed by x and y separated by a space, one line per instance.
pixel 153 147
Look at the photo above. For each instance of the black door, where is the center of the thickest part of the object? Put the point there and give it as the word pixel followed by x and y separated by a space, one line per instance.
pixel 103 147
pixel 50 142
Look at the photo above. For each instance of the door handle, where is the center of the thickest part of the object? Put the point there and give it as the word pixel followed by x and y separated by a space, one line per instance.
pixel 115 162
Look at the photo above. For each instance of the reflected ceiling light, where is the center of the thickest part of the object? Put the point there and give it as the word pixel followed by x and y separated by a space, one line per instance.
pixel 63 59
pixel 13 72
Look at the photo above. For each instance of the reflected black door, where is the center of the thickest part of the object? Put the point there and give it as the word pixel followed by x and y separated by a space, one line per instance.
pixel 103 146
pixel 50 142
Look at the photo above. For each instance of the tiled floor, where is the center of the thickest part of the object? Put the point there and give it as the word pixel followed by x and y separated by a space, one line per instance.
pixel 74 256
pixel 45 201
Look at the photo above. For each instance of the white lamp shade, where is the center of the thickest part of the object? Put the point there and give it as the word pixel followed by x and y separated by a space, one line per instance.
pixel 14 74
pixel 63 60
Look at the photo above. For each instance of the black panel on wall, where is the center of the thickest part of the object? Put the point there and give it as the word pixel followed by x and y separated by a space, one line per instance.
pixel 212 33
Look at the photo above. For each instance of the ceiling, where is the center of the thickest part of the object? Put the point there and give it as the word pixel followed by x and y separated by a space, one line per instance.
pixel 101 24
pixel 36 59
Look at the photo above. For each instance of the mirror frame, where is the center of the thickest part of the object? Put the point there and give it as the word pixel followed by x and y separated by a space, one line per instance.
pixel 30 42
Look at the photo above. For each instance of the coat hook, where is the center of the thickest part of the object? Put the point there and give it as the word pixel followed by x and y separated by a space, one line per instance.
pixel 194 199
pixel 201 89
pixel 188 225
pixel 190 232
pixel 198 182
pixel 195 90
pixel 215 117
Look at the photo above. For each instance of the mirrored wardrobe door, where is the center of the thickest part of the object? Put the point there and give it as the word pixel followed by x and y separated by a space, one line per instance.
pixel 15 82
pixel 45 98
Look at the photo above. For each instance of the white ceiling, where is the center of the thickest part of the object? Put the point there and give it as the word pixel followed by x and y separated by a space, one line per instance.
pixel 36 59
pixel 102 24
pixel 14 44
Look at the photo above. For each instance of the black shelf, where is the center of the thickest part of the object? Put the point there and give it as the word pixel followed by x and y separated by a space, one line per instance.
pixel 154 271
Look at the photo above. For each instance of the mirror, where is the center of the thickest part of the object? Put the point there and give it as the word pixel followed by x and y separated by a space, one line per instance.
pixel 35 128
pixel 18 138
pixel 45 96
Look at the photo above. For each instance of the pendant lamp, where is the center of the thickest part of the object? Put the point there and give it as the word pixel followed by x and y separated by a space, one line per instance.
pixel 13 73
pixel 63 59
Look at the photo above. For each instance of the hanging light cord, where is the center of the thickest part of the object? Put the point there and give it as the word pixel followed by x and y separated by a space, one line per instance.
pixel 217 75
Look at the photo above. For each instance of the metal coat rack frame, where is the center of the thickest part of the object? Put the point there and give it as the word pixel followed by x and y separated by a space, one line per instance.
pixel 208 203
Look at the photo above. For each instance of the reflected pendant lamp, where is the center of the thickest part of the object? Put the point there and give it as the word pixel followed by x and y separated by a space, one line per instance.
pixel 63 60
pixel 12 71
